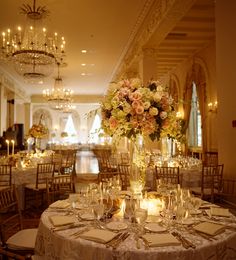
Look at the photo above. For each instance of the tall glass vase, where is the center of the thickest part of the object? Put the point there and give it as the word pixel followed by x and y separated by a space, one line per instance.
pixel 137 165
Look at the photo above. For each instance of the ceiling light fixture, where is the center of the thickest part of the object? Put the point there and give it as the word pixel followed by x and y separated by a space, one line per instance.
pixel 33 53
pixel 58 96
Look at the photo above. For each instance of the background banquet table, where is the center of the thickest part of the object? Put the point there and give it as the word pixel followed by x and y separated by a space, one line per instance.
pixel 189 178
pixel 62 245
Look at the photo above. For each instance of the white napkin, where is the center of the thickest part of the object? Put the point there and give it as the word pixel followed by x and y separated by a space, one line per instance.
pixel 219 212
pixel 98 235
pixel 58 220
pixel 60 204
pixel 209 228
pixel 155 240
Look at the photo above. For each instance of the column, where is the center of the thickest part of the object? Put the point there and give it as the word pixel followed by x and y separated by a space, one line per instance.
pixel 28 117
pixel 226 82
pixel 148 65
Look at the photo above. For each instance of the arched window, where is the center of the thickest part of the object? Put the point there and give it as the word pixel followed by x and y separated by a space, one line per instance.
pixel 70 130
pixel 94 131
pixel 195 129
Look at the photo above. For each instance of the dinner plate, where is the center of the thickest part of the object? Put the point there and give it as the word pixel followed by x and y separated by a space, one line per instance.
pixel 153 219
pixel 154 227
pixel 116 225
pixel 87 216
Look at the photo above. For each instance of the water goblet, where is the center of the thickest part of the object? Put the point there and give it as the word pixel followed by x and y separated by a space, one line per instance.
pixel 140 217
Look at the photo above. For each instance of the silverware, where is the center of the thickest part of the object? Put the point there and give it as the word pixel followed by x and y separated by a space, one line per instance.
pixel 137 241
pixel 121 239
pixel 186 243
pixel 146 244
pixel 115 238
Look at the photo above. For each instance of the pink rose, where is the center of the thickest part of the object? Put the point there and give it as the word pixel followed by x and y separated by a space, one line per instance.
pixel 136 104
pixel 166 124
pixel 139 110
pixel 113 122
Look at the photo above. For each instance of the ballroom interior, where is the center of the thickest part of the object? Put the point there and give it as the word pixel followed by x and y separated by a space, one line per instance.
pixel 187 46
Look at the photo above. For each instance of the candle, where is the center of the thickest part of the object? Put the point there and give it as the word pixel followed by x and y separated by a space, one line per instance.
pixel 7 141
pixel 28 145
pixel 13 146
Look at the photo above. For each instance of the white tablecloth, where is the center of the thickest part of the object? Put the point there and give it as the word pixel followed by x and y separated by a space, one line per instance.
pixel 62 245
pixel 21 177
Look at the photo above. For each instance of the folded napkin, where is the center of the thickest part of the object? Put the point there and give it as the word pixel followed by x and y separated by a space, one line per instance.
pixel 60 204
pixel 161 240
pixel 219 212
pixel 58 220
pixel 209 228
pixel 98 235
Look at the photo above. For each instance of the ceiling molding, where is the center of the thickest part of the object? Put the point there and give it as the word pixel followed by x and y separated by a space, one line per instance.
pixel 162 18
pixel 8 82
pixel 76 99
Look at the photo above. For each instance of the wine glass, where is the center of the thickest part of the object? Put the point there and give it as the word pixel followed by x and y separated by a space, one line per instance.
pixel 140 217
pixel 129 208
pixel 98 211
pixel 108 203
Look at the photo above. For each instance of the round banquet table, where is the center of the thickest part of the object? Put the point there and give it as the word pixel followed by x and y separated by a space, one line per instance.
pixel 61 245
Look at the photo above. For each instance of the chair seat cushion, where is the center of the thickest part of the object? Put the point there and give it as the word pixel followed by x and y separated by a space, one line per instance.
pixel 41 186
pixel 23 239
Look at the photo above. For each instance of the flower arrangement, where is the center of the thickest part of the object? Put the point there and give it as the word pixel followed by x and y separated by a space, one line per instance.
pixel 38 131
pixel 130 109
pixel 64 134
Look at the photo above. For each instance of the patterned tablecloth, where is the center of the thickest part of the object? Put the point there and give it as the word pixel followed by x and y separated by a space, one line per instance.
pixel 61 245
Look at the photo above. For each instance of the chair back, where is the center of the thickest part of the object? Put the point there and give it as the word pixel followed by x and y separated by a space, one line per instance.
pixel 9 205
pixel 106 177
pixel 168 174
pixel 57 160
pixel 5 175
pixel 210 158
pixel 59 187
pixel 124 172
pixel 212 177
pixel 44 171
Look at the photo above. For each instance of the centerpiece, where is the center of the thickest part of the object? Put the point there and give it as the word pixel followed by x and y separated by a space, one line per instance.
pixel 137 112
pixel 38 131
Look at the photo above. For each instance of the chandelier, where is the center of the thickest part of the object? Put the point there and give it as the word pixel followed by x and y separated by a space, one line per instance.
pixel 33 52
pixel 58 97
pixel 68 108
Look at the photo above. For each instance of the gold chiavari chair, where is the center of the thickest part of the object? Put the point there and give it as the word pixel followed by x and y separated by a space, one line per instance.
pixel 210 158
pixel 37 190
pixel 211 182
pixel 169 175
pixel 106 177
pixel 5 176
pixel 124 172
pixel 16 242
pixel 59 187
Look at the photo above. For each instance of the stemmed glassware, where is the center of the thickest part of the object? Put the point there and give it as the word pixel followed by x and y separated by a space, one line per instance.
pixel 108 203
pixel 129 208
pixel 140 217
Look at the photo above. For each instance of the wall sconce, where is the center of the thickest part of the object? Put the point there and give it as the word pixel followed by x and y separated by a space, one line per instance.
pixel 179 114
pixel 212 107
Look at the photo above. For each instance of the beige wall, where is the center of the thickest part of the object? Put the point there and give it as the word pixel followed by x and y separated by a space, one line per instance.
pixel 226 83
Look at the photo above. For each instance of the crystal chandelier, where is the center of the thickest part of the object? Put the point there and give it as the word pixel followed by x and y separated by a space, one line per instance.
pixel 33 52
pixel 58 97
pixel 68 108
